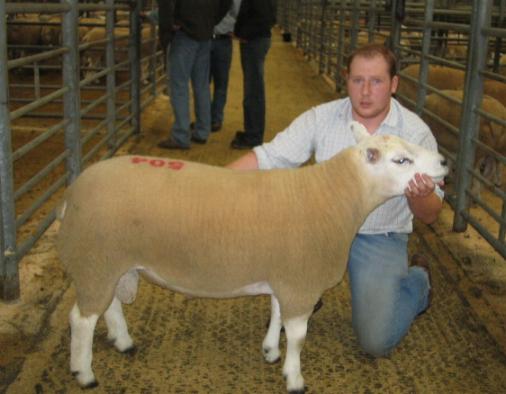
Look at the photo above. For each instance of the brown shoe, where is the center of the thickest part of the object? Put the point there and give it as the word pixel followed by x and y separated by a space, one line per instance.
pixel 419 260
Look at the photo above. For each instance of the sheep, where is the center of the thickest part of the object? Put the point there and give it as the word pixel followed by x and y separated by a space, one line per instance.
pixel 491 133
pixel 214 232
pixel 95 58
pixel 447 78
pixel 51 33
pixel 23 30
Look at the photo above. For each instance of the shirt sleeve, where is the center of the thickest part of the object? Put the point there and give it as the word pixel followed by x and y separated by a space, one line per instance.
pixel 293 146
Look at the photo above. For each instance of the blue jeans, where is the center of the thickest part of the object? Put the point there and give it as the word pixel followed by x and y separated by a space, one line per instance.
pixel 188 59
pixel 221 59
pixel 253 55
pixel 386 294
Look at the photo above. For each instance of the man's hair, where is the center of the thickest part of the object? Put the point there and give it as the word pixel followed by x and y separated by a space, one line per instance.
pixel 372 50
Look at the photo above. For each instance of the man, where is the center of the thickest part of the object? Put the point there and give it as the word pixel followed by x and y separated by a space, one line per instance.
pixel 386 295
pixel 253 28
pixel 221 59
pixel 186 29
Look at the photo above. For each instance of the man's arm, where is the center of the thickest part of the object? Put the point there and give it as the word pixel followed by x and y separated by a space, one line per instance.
pixel 422 200
pixel 224 7
pixel 247 162
pixel 166 21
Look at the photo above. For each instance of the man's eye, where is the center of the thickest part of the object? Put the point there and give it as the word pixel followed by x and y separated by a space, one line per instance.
pixel 403 160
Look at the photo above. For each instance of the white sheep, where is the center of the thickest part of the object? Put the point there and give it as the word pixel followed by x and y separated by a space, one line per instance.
pixel 207 231
pixel 93 59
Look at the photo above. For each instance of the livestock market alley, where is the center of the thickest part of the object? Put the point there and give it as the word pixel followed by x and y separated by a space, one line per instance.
pixel 202 346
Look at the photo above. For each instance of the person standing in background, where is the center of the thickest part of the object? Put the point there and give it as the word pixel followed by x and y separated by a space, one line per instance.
pixel 185 30
pixel 253 28
pixel 221 59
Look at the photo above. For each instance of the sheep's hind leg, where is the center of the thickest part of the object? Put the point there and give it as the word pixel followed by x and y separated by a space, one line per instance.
pixel 81 345
pixel 270 345
pixel 117 330
pixel 295 330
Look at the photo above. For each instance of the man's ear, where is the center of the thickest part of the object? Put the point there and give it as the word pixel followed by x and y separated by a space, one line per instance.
pixel 395 84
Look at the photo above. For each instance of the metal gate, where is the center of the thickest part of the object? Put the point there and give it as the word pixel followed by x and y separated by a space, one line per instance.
pixel 77 98
pixel 464 39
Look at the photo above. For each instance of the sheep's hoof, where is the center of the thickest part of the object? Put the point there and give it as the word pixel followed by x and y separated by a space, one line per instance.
pixel 271 356
pixel 90 385
pixel 87 386
pixel 130 351
pixel 301 391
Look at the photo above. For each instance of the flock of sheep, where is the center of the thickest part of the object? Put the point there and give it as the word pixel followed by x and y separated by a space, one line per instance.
pixel 451 82
pixel 28 31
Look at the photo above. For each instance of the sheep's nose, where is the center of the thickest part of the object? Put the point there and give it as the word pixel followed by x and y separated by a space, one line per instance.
pixel 444 163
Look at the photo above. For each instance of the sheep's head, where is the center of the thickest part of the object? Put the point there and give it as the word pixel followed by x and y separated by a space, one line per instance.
pixel 392 162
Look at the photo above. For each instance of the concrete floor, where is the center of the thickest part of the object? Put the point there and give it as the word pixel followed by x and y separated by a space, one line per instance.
pixel 201 346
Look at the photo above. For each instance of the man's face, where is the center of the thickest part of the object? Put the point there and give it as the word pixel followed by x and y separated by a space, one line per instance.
pixel 370 87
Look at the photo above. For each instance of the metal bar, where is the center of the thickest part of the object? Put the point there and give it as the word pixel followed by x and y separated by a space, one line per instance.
pixel 19 153
pixel 94 104
pixel 111 76
pixel 459 27
pixel 27 244
pixel 91 133
pixel 23 218
pixel 495 31
pixel 135 69
pixel 496 243
pixel 22 61
pixel 28 185
pixel 93 151
pixel 473 92
pixel 71 106
pixel 9 274
pixel 38 103
pixel 424 63
pixel 46 8
pixel 340 82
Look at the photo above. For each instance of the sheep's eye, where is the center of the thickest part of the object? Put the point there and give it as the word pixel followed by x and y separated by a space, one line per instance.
pixel 403 160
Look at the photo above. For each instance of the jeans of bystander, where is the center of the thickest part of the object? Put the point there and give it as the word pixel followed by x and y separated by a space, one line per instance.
pixel 221 59
pixel 188 60
pixel 253 53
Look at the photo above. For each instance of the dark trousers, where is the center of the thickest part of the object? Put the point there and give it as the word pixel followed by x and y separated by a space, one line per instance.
pixel 221 59
pixel 253 55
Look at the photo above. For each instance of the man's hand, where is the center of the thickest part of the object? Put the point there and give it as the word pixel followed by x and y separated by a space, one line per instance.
pixel 421 185
pixel 422 200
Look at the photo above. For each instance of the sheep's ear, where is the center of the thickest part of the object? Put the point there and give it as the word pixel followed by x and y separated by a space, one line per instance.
pixel 359 130
pixel 373 155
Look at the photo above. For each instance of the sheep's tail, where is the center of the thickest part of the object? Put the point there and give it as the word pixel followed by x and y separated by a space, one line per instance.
pixel 60 210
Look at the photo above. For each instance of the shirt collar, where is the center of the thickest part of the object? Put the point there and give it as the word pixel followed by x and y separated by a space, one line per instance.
pixel 392 119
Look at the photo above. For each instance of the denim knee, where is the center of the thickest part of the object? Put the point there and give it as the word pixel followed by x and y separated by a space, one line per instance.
pixel 375 345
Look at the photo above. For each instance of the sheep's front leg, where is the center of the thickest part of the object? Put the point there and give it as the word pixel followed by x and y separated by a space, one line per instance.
pixel 81 343
pixel 295 330
pixel 270 345
pixel 117 330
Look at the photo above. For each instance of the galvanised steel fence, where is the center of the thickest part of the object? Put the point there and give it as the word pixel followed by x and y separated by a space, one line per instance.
pixel 452 69
pixel 67 99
